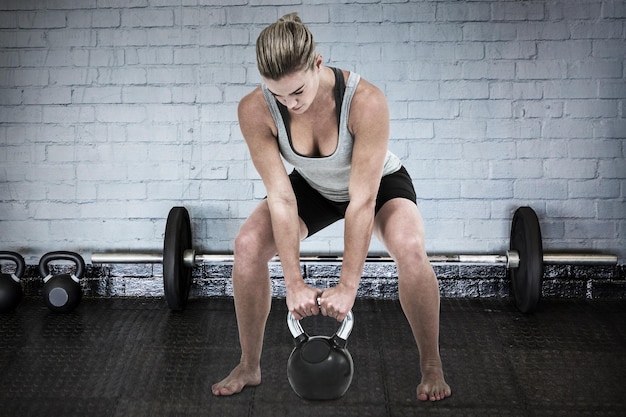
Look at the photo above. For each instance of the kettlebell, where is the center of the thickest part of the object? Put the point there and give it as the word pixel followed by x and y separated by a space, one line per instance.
pixel 320 367
pixel 62 293
pixel 10 284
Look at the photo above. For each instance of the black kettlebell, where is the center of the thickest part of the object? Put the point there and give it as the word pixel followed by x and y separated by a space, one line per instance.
pixel 62 293
pixel 320 367
pixel 10 284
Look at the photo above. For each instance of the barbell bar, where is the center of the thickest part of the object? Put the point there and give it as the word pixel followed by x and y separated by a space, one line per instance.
pixel 524 260
pixel 510 259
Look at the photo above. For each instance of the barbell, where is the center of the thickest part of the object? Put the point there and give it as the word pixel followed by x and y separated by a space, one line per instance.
pixel 524 260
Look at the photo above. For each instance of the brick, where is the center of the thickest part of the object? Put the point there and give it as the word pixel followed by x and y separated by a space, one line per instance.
pixel 172 75
pixel 60 58
pixel 375 33
pixel 486 109
pixel 460 129
pixel 570 89
pixel 570 168
pixel 147 18
pixel 117 4
pixel 511 50
pixel 529 189
pixel 95 19
pixel 22 114
pixel 515 90
pixel 122 37
pixel 21 77
pixel 612 168
pixel 132 95
pixel 592 108
pixel 540 148
pixel 121 113
pixel 9 59
pixel 610 129
pixel 567 129
pixel 594 148
pixel 513 129
pixel 538 109
pixel 511 11
pixel 410 12
pixel 488 70
pixel 513 169
pixel 224 36
pixel 52 95
pixel 8 20
pixel 611 209
pixel 464 90
pixel 67 38
pixel 613 49
pixel 41 20
pixel 570 50
pixel 10 97
pixel 463 12
pixel 429 32
pixel 595 69
pixel 96 95
pixel 23 39
pixel 612 89
pixel 433 110
pixel 73 76
pixel 122 76
pixel 540 70
pixel 68 115
pixel 489 32
pixel 70 4
pixel 590 230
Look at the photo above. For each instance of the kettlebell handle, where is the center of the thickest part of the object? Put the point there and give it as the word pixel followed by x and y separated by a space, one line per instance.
pixel 340 337
pixel 44 271
pixel 20 264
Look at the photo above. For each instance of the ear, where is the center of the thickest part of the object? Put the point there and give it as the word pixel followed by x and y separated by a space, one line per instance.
pixel 318 62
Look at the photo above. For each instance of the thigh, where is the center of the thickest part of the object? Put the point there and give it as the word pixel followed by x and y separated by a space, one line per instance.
pixel 400 227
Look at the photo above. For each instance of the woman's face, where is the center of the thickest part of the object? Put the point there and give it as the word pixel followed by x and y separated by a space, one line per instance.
pixel 297 90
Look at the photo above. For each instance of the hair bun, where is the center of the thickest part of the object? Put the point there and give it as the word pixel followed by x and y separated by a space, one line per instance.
pixel 291 17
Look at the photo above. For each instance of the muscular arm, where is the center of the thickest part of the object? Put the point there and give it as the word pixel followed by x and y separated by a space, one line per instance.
pixel 256 127
pixel 369 122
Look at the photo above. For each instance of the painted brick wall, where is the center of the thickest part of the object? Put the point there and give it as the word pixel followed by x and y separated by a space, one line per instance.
pixel 113 111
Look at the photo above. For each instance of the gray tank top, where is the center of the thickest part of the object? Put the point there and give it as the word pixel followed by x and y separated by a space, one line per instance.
pixel 329 175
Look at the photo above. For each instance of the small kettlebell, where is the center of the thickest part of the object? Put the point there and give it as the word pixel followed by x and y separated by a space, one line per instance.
pixel 320 367
pixel 62 293
pixel 10 284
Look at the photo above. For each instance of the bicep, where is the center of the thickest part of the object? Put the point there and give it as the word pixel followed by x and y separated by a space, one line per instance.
pixel 263 147
pixel 371 139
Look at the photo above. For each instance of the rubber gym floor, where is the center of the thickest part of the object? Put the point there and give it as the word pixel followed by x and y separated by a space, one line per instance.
pixel 133 357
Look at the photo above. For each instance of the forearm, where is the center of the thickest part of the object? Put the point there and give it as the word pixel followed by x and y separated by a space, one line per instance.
pixel 359 223
pixel 286 230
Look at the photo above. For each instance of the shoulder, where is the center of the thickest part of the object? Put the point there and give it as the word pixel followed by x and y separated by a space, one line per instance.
pixel 368 104
pixel 253 112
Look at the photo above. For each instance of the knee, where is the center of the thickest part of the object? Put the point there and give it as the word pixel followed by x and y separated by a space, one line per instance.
pixel 250 246
pixel 410 251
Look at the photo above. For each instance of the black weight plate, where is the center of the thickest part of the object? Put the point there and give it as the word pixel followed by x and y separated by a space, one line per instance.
pixel 527 277
pixel 176 276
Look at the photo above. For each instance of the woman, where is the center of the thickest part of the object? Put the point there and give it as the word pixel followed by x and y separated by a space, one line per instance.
pixel 333 127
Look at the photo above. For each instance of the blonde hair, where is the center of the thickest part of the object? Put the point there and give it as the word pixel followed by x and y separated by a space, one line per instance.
pixel 284 47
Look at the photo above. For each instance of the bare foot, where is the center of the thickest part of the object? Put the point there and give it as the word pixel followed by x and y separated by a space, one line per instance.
pixel 239 378
pixel 433 386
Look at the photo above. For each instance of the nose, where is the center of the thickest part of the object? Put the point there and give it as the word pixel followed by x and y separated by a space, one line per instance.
pixel 292 102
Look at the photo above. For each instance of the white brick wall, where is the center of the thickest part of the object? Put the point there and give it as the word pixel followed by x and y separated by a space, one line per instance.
pixel 112 111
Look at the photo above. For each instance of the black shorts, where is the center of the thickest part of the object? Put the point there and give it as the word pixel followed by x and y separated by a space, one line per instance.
pixel 318 212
